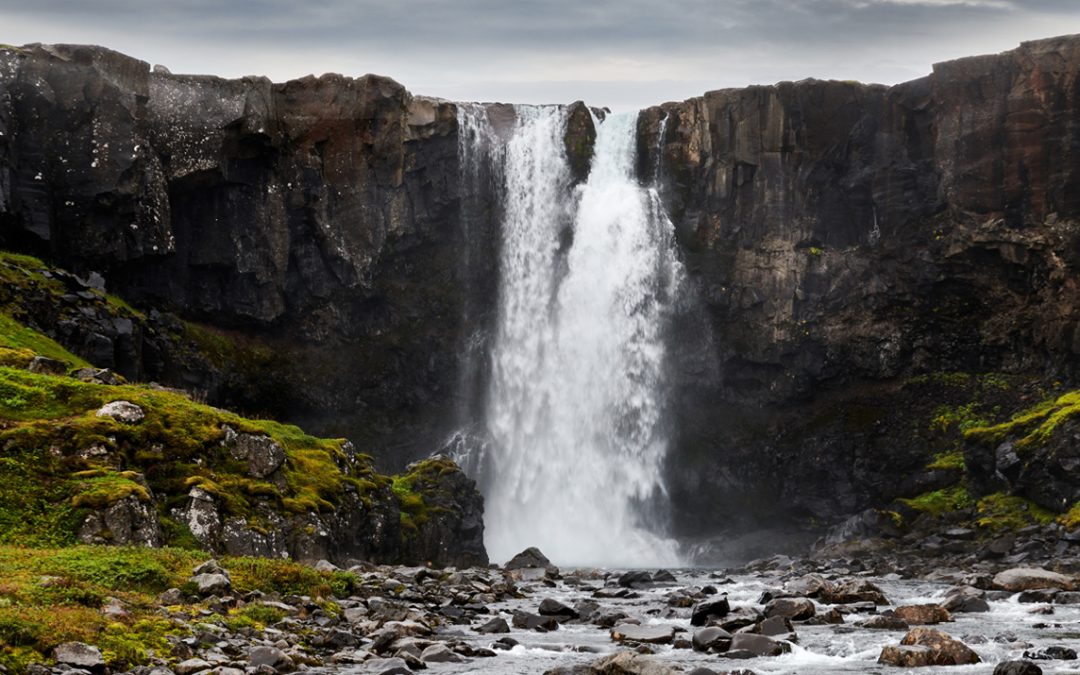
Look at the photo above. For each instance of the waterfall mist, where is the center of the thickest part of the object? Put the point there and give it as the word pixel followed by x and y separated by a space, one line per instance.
pixel 575 401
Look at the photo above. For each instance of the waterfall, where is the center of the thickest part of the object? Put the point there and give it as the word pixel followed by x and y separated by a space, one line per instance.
pixel 575 403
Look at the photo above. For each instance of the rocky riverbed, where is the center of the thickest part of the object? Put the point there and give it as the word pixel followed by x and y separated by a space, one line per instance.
pixel 779 615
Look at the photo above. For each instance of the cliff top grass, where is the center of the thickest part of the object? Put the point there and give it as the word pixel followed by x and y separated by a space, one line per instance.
pixel 50 596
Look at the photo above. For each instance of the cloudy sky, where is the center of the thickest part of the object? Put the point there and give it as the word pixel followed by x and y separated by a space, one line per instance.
pixel 621 53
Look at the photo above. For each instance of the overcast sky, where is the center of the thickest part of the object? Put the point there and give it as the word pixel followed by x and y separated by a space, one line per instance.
pixel 621 53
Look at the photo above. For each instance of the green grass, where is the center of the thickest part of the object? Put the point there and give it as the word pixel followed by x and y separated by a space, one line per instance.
pixel 950 460
pixel 15 336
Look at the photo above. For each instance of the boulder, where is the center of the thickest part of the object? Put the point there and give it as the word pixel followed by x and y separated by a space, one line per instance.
pixel 212 584
pixel 928 647
pixel 530 558
pixel 711 638
pixel 1028 578
pixel 440 653
pixel 635 579
pixel 710 609
pixel 549 607
pixel 852 591
pixel 79 655
pixel 130 521
pixel 272 657
pixel 125 412
pixel 262 454
pixel 43 365
pixel 533 621
pixel 1054 653
pixel 966 599
pixel 629 663
pixel 922 614
pixel 657 635
pixel 192 666
pixel 496 625
pixel 776 626
pixel 758 645
pixel 885 622
pixel 796 609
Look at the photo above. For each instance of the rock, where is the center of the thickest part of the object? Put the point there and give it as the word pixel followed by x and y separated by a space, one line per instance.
pixel 928 647
pixel 527 559
pixel 391 666
pixel 885 622
pixel 42 365
pixel 1017 668
pixel 711 638
pixel 272 657
pixel 966 599
pixel 212 584
pixel 657 635
pixel 262 454
pixel 1028 578
pixel 549 607
pixel 496 625
pixel 440 653
pixel 664 577
pixel 191 666
pixel 129 521
pixel 635 579
pixel 122 411
pixel 776 626
pixel 1053 653
pixel 79 655
pixel 758 645
pixel 710 609
pixel 922 614
pixel 173 596
pixel 1047 595
pixel 629 663
pixel 852 591
pixel 534 621
pixel 796 609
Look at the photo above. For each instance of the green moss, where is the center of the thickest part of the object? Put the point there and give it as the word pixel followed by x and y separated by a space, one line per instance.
pixel 815 251
pixel 1071 518
pixel 100 488
pixel 14 335
pixel 1033 426
pixel 957 418
pixel 1000 511
pixel 950 460
pixel 942 501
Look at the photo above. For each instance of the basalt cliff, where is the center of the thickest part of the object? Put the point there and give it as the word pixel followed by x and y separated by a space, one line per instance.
pixel 880 278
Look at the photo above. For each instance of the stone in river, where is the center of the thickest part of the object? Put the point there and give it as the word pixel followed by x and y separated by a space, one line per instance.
pixel 655 635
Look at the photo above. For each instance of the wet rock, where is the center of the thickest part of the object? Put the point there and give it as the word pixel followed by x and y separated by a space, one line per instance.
pixel 496 625
pixel 629 663
pixel 710 609
pixel 385 666
pixel 533 621
pixel 635 579
pixel 928 647
pixel 1017 668
pixel 125 412
pixel 1047 595
pixel 1028 578
pixel 777 626
pixel 1053 653
pixel 966 599
pixel 885 622
pixel 79 655
pixel 658 635
pixel 796 609
pixel 550 607
pixel 740 617
pixel 852 591
pixel 440 653
pixel 922 614
pixel 664 577
pixel 758 645
pixel 711 638
pixel 530 558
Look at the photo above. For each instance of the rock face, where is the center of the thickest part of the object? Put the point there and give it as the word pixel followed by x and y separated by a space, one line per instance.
pixel 845 237
pixel 320 214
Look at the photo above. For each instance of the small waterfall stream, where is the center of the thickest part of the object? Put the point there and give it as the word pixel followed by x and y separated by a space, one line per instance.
pixel 576 401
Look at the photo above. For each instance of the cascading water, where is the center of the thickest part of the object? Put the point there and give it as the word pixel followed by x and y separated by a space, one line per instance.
pixel 576 395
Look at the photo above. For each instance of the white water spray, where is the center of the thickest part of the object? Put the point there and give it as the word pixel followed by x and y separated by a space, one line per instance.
pixel 576 404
